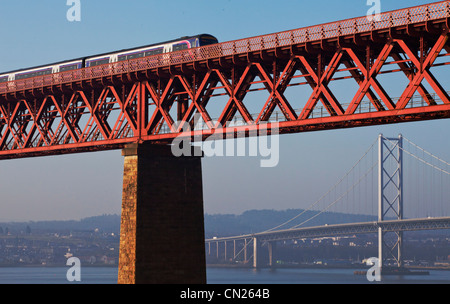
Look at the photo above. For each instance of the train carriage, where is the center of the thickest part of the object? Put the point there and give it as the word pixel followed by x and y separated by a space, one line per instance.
pixel 53 72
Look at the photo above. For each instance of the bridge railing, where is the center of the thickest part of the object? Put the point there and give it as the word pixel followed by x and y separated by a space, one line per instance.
pixel 396 18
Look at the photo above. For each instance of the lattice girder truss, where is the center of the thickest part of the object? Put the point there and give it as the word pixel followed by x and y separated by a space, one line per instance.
pixel 180 100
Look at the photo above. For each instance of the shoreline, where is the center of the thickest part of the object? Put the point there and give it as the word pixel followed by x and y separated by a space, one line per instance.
pixel 57 266
pixel 231 266
pixel 350 267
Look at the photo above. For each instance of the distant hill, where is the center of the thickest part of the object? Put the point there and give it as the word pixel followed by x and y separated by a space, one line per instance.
pixel 104 223
pixel 255 221
pixel 216 225
pixel 219 225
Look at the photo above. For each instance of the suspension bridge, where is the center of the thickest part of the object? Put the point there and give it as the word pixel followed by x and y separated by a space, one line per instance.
pixel 402 186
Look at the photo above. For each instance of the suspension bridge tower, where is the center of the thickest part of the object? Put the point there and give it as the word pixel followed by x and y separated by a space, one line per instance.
pixel 390 197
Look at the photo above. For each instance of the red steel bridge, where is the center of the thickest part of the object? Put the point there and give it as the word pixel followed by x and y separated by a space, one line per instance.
pixel 155 98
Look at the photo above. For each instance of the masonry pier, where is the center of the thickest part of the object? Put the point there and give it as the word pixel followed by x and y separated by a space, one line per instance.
pixel 162 224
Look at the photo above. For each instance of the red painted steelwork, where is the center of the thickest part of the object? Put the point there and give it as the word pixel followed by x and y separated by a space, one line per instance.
pixel 156 98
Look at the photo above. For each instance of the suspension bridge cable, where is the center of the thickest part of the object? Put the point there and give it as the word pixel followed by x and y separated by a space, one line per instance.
pixel 434 182
pixel 419 159
pixel 329 191
pixel 425 151
pixel 363 177
pixel 338 199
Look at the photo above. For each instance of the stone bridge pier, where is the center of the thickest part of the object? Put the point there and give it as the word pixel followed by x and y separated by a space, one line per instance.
pixel 162 222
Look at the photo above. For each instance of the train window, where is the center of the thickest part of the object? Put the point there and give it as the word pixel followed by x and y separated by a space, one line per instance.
pixel 34 74
pixel 99 62
pixel 4 79
pixel 180 46
pixel 45 72
pixel 208 40
pixel 136 55
pixel 153 52
pixel 130 56
pixel 22 76
pixel 68 68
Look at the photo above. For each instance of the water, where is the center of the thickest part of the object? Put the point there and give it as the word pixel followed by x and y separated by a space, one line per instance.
pixel 56 275
pixel 314 276
pixel 108 275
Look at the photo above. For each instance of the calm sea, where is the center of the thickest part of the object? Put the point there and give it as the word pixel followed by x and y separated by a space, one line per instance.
pixel 108 275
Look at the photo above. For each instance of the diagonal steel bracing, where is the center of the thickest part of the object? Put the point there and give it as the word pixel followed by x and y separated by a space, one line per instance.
pixel 156 98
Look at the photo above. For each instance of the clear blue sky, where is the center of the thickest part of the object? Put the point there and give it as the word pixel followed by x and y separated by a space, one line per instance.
pixel 77 186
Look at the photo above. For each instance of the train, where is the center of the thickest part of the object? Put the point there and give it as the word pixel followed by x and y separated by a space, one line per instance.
pixel 182 43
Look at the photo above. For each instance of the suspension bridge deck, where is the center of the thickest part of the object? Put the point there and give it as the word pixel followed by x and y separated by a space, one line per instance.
pixel 343 229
